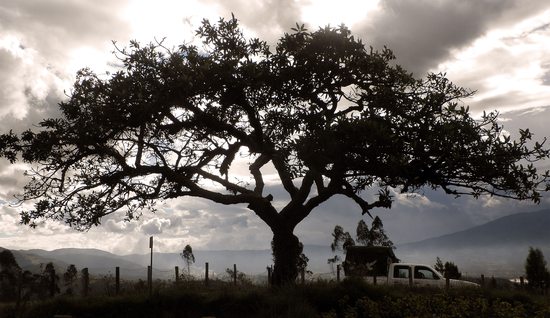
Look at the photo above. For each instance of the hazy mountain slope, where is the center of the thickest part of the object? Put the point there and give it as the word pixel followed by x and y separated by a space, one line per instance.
pixel 32 261
pixel 495 248
pixel 498 247
pixel 521 228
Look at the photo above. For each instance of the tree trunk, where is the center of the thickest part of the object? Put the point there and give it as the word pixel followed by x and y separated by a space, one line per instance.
pixel 286 251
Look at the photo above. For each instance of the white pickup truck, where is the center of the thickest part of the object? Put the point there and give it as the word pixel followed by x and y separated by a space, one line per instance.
pixel 418 275
pixel 379 265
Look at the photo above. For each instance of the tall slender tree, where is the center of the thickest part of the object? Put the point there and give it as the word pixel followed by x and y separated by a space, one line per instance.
pixel 536 272
pixel 329 115
pixel 188 257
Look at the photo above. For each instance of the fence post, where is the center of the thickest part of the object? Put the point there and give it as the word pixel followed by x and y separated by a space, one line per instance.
pixel 150 279
pixel 521 281
pixel 235 274
pixel 117 280
pixel 177 270
pixel 482 280
pixel 206 274
pixel 338 273
pixel 447 283
pixel 269 276
pixel 410 277
pixel 303 276
pixel 85 281
pixel 374 280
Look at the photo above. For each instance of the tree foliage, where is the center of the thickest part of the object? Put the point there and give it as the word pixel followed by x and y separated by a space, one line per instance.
pixel 448 270
pixel 69 277
pixel 188 257
pixel 376 236
pixel 329 115
pixel 10 273
pixel 536 272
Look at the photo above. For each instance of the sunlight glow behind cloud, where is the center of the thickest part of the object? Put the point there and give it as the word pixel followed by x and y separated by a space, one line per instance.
pixel 321 13
pixel 506 62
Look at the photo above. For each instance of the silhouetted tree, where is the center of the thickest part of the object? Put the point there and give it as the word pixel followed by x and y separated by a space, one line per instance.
pixel 49 280
pixel 10 273
pixel 241 277
pixel 376 236
pixel 70 277
pixel 538 276
pixel 362 234
pixel 329 115
pixel 341 240
pixel 448 270
pixel 439 266
pixel 188 257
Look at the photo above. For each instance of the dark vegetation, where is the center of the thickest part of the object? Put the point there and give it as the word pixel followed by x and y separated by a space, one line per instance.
pixel 229 298
pixel 350 298
pixel 330 115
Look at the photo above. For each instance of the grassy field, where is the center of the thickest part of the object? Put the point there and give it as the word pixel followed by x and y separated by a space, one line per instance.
pixel 348 299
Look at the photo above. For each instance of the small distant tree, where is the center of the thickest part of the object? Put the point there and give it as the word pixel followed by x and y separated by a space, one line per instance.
pixel 439 266
pixel 375 236
pixel 70 277
pixel 448 270
pixel 188 257
pixel 341 240
pixel 303 260
pixel 538 276
pixel 48 281
pixel 332 261
pixel 241 277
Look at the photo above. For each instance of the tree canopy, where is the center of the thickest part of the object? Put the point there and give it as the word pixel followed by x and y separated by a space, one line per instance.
pixel 329 115
pixel 537 274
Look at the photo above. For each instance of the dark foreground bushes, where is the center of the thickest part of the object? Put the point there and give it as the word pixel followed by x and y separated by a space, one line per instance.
pixel 349 299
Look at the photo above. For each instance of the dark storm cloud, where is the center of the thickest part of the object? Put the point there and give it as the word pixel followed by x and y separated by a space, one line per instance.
pixel 422 33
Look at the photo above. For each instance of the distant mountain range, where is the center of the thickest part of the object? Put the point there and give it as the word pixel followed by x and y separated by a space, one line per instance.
pixel 496 248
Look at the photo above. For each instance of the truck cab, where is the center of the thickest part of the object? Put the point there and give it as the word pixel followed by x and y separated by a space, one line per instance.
pixel 379 265
pixel 419 275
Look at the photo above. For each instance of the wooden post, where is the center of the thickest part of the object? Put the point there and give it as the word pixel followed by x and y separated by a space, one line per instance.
pixel 521 281
pixel 235 274
pixel 482 280
pixel 117 280
pixel 303 276
pixel 269 276
pixel 410 277
pixel 85 281
pixel 374 280
pixel 338 273
pixel 447 283
pixel 150 279
pixel 493 282
pixel 177 270
pixel 206 274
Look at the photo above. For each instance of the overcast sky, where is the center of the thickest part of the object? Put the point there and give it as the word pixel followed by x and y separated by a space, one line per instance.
pixel 500 48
